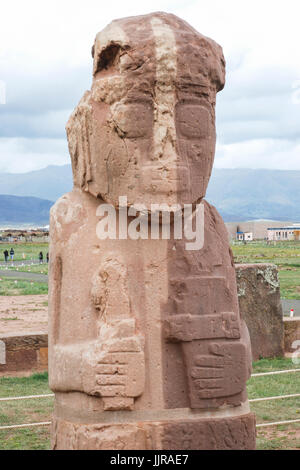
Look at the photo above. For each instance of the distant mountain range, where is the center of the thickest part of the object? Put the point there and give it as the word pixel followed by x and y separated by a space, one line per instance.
pixel 49 183
pixel 238 194
pixel 244 194
pixel 31 211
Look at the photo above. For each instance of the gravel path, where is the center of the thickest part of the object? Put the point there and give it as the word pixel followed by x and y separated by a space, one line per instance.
pixel 27 262
pixel 23 275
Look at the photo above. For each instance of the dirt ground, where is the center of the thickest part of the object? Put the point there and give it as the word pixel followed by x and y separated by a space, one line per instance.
pixel 274 438
pixel 23 314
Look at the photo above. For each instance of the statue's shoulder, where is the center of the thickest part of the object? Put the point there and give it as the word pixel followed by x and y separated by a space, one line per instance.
pixel 216 234
pixel 64 207
pixel 69 212
pixel 212 215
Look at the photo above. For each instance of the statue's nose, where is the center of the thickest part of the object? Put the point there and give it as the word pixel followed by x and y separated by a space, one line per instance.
pixel 165 148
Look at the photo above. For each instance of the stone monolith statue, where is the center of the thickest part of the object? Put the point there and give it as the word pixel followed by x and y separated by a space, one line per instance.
pixel 147 348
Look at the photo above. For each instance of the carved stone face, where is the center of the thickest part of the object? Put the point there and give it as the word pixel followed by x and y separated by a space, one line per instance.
pixel 146 130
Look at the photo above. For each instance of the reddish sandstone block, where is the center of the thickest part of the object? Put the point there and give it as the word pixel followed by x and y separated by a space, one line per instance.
pixel 235 433
pixel 25 352
pixel 260 307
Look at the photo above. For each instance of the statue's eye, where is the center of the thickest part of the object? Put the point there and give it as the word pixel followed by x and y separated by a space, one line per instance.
pixel 192 121
pixel 134 120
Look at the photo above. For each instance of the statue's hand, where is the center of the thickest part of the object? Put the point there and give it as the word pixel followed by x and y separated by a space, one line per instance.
pixel 114 366
pixel 121 374
pixel 219 374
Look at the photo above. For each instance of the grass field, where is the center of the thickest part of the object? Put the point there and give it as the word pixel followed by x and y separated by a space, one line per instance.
pixel 30 250
pixel 25 411
pixel 282 436
pixel 286 255
pixel 18 286
pixel 22 287
pixel 39 410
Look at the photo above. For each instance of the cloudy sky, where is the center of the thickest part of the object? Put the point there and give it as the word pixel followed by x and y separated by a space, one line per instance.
pixel 45 64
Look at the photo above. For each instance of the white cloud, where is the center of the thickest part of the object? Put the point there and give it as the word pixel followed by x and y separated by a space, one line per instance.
pixel 45 61
pixel 259 153
pixel 49 124
pixel 19 155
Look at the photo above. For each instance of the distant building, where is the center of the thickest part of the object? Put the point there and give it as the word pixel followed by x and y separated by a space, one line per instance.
pixel 244 236
pixel 284 233
pixel 258 227
pixel 30 235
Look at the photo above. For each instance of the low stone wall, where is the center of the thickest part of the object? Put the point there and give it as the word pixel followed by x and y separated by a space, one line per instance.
pixel 291 334
pixel 260 307
pixel 23 353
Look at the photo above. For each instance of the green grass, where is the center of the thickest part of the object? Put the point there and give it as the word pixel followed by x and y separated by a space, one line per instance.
pixel 25 411
pixel 273 385
pixel 22 287
pixel 275 438
pixel 269 365
pixel 8 318
pixel 25 439
pixel 286 255
pixel 259 250
pixel 36 384
pixel 283 436
pixel 31 250
pixel 289 282
pixel 279 438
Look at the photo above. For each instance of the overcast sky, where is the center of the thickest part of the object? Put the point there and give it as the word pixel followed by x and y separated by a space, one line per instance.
pixel 45 63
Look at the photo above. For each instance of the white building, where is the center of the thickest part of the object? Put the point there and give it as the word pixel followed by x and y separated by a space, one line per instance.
pixel 284 233
pixel 244 236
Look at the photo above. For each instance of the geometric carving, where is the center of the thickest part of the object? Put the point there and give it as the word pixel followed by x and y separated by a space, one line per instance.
pixel 187 327
pixel 221 373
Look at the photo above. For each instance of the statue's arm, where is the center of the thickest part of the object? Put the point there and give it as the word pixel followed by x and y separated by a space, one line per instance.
pixel 228 261
pixel 66 367
pixel 214 339
pixel 112 365
pixel 65 361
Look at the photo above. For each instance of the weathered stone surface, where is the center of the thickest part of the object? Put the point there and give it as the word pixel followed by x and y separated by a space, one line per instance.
pixel 228 433
pixel 291 334
pixel 24 352
pixel 260 307
pixel 143 327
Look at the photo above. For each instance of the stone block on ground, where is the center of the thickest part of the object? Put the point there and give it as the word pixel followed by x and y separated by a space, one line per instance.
pixel 23 353
pixel 260 306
